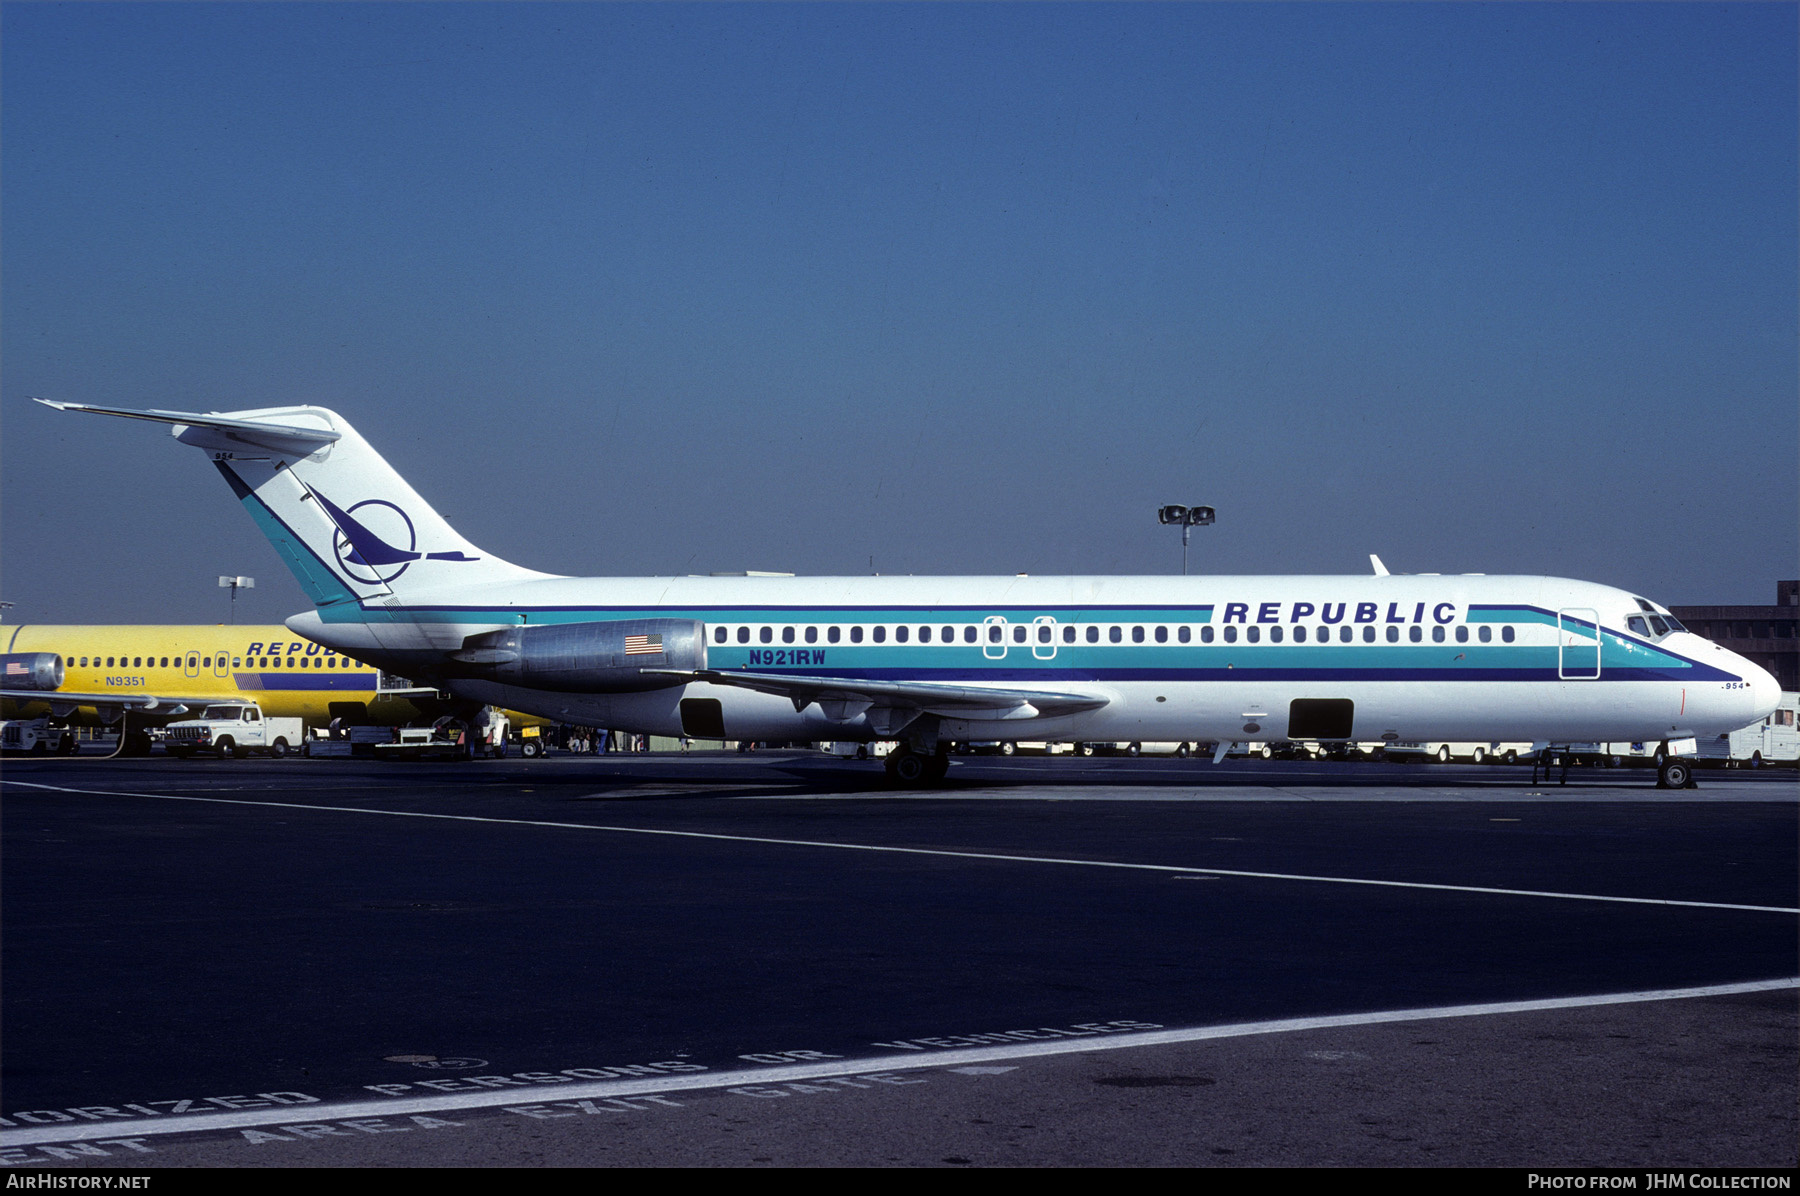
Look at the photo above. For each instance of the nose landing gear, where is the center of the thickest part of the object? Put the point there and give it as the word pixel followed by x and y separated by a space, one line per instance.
pixel 1675 773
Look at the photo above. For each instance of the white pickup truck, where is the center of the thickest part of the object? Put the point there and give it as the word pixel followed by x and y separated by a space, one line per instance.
pixel 234 729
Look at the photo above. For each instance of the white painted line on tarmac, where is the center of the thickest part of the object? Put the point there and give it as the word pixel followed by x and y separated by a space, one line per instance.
pixel 312 1114
pixel 1484 890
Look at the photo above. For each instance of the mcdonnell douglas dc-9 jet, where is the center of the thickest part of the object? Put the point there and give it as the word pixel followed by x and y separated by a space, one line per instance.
pixel 932 660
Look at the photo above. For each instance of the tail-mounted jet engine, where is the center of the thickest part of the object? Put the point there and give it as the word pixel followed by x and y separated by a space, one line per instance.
pixel 587 658
pixel 32 670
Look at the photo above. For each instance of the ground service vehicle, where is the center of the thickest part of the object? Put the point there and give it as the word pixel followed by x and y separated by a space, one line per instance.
pixel 1773 739
pixel 233 729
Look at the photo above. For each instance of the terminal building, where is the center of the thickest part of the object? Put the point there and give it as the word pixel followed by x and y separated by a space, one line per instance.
pixel 1768 635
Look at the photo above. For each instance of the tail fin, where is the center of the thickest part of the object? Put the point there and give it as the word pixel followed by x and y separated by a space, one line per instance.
pixel 347 525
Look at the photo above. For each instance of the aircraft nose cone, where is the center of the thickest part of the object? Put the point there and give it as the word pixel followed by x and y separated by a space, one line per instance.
pixel 1765 694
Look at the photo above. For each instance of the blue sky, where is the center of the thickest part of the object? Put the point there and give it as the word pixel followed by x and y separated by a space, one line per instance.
pixel 650 289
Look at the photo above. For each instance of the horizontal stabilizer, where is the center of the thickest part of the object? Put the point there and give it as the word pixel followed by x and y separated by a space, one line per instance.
pixel 220 431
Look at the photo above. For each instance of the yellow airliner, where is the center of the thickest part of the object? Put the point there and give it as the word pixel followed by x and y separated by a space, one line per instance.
pixel 162 672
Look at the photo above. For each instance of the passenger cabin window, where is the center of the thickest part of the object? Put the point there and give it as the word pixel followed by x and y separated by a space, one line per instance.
pixel 1253 634
pixel 1368 635
pixel 719 635
pixel 1415 633
pixel 969 634
pixel 880 634
pixel 743 635
pixel 1506 634
pixel 1115 635
pixel 1230 635
pixel 1137 635
pixel 812 635
pixel 1462 635
pixel 856 635
pixel 1184 633
pixel 831 635
pixel 1019 634
pixel 1093 635
pixel 1069 634
pixel 1300 635
pixel 787 635
pixel 1162 635
pixel 924 635
pixel 766 634
pixel 1206 635
pixel 900 634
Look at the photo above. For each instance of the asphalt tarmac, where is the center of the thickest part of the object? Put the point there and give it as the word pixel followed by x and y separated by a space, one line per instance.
pixel 776 960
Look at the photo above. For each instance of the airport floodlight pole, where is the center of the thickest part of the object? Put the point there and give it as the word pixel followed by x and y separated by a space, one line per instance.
pixel 1187 518
pixel 234 584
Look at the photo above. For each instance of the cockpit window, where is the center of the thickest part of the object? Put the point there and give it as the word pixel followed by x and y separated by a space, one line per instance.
pixel 1674 623
pixel 1658 626
pixel 1637 624
pixel 1644 606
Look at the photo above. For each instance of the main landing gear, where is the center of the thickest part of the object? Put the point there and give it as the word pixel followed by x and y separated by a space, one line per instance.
pixel 908 766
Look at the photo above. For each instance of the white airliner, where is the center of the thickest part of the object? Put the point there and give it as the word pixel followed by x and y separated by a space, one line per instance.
pixel 930 660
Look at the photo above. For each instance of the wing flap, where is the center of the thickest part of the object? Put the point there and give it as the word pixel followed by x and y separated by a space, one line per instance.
pixel 63 704
pixel 844 698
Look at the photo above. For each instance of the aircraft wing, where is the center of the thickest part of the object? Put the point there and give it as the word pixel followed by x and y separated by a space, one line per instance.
pixel 63 704
pixel 892 702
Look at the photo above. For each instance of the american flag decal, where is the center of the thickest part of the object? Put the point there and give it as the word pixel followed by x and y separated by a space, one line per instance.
pixel 13 666
pixel 643 645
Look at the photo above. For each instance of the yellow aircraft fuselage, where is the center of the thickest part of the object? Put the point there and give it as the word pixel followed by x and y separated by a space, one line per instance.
pixel 287 676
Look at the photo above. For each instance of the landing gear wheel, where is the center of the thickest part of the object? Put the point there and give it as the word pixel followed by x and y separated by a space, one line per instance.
pixel 906 767
pixel 1675 774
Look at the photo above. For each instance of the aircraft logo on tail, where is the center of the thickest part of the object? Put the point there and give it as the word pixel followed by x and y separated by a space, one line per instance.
pixel 369 556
